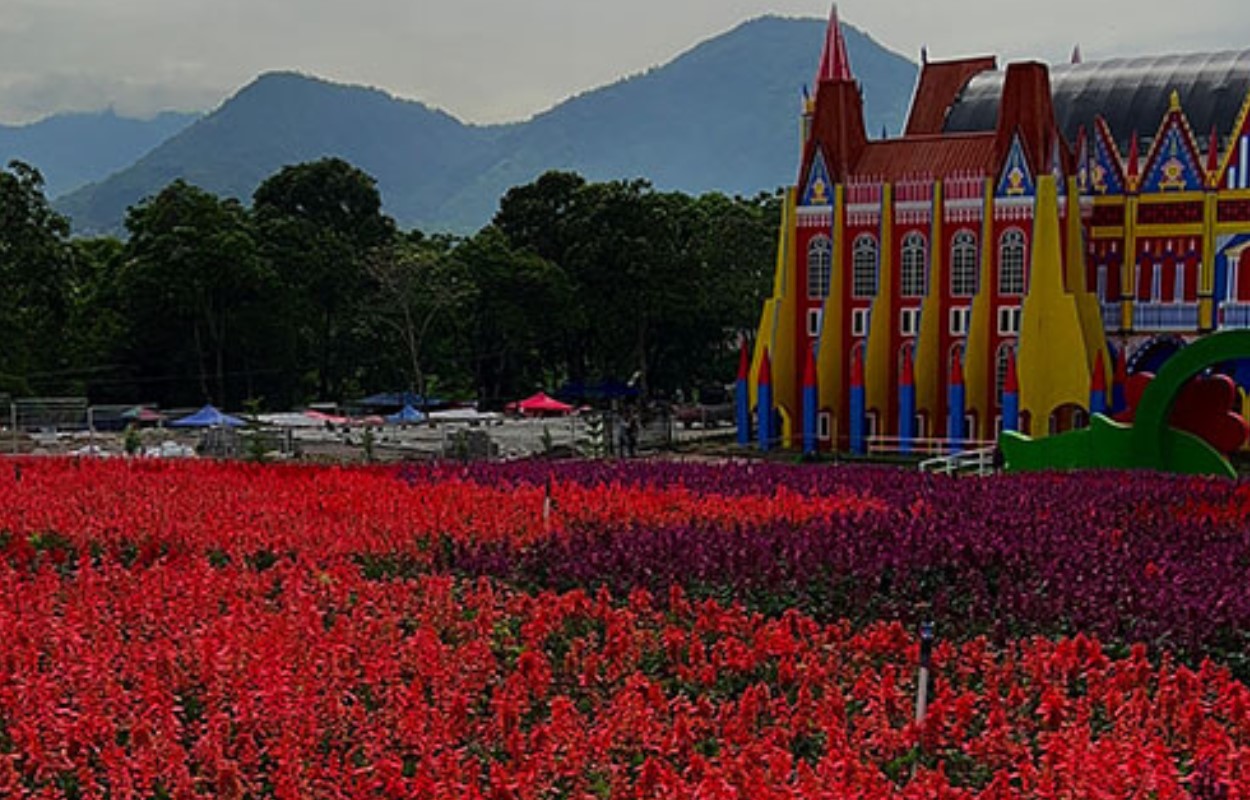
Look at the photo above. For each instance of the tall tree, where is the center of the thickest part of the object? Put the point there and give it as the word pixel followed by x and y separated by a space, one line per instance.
pixel 417 283
pixel 35 260
pixel 192 274
pixel 319 222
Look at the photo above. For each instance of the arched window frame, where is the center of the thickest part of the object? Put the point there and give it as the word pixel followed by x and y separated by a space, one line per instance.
pixel 912 263
pixel 1011 262
pixel 864 264
pixel 819 267
pixel 964 264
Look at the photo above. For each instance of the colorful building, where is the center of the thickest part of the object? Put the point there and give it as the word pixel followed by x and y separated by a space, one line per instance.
pixel 1031 226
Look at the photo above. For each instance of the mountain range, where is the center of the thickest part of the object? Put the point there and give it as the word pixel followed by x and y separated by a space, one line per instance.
pixel 722 116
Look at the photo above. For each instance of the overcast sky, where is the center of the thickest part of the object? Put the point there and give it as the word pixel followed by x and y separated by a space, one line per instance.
pixel 497 60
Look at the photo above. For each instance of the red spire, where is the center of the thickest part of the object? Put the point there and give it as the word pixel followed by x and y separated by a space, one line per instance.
pixel 1132 156
pixel 744 361
pixel 909 377
pixel 1011 383
pixel 835 65
pixel 957 370
pixel 766 370
pixel 1099 381
pixel 1121 367
pixel 1213 153
pixel 857 367
pixel 809 372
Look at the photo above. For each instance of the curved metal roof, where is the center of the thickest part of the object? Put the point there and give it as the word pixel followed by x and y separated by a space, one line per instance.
pixel 1131 94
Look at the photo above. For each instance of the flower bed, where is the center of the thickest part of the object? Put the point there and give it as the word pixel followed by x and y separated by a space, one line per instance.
pixel 662 631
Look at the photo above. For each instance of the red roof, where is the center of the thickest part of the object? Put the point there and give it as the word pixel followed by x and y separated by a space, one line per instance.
pixel 931 156
pixel 542 404
pixel 940 83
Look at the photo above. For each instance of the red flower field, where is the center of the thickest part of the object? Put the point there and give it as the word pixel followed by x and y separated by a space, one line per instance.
pixel 222 630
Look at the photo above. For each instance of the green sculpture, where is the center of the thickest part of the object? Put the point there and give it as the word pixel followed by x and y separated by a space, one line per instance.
pixel 1150 442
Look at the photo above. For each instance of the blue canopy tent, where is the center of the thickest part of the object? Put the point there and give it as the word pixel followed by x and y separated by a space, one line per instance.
pixel 208 417
pixel 405 416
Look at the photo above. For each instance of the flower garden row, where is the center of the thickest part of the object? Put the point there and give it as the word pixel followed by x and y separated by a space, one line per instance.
pixel 661 631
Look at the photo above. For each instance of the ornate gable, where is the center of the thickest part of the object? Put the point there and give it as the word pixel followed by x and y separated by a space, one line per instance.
pixel 1173 164
pixel 1016 178
pixel 1106 171
pixel 818 189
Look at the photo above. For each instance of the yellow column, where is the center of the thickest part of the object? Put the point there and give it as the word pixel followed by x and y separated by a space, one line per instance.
pixel 879 368
pixel 930 360
pixel 978 381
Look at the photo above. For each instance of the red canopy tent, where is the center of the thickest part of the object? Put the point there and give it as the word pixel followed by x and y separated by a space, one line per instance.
pixel 541 405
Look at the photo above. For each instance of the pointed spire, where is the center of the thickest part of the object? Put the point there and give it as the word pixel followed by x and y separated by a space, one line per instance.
pixel 1121 366
pixel 1133 156
pixel 744 361
pixel 857 367
pixel 1011 382
pixel 1076 54
pixel 924 55
pixel 1213 153
pixel 835 65
pixel 908 377
pixel 957 370
pixel 1098 382
pixel 809 370
pixel 766 370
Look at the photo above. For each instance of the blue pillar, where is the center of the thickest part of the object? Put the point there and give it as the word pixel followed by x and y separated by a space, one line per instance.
pixel 809 420
pixel 906 417
pixel 765 413
pixel 858 443
pixel 955 421
pixel 1011 411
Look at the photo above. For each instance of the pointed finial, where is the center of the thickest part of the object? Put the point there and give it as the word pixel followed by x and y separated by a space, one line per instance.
pixel 957 370
pixel 809 370
pixel 1098 382
pixel 1011 382
pixel 908 377
pixel 885 133
pixel 1132 156
pixel 835 65
pixel 1174 101
pixel 1121 366
pixel 766 370
pixel 744 361
pixel 924 55
pixel 1076 54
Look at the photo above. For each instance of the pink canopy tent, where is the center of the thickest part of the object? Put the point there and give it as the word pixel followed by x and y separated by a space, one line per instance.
pixel 540 405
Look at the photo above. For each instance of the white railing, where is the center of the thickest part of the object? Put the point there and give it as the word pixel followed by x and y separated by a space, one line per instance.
pixel 979 462
pixel 1165 316
pixel 1112 316
pixel 1234 315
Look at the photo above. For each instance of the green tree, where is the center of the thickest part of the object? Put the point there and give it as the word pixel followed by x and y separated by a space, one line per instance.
pixel 194 290
pixel 418 283
pixel 519 317
pixel 319 222
pixel 35 260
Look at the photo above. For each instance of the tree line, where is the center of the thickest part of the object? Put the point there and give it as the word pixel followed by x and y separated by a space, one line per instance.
pixel 313 293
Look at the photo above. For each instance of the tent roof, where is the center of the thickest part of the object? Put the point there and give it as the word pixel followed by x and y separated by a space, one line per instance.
pixel 208 417
pixel 543 402
pixel 406 414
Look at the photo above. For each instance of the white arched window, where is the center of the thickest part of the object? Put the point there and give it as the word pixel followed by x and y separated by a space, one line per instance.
pixel 819 267
pixel 1011 262
pixel 864 267
pixel 912 280
pixel 964 264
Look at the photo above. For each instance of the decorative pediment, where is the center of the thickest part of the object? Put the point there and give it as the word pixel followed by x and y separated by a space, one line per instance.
pixel 1106 171
pixel 1016 178
pixel 1173 164
pixel 818 189
pixel 1235 173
